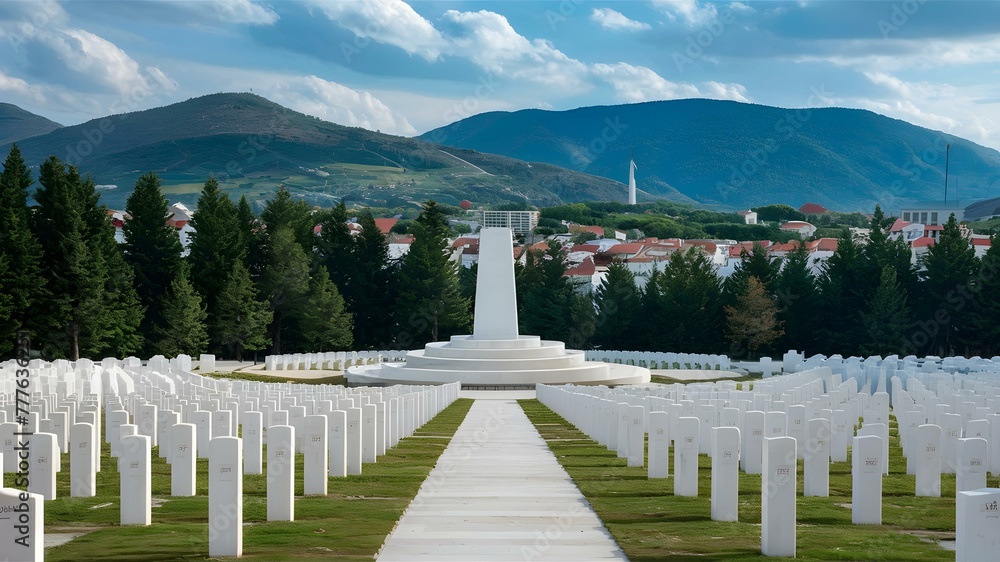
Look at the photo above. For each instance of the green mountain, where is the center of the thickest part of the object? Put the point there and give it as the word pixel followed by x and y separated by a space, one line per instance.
pixel 252 145
pixel 17 124
pixel 734 155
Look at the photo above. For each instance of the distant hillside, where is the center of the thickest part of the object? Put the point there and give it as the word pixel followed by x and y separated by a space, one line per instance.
pixel 252 145
pixel 735 155
pixel 17 124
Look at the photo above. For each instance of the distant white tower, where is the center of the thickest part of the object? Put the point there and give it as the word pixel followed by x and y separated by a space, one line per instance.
pixel 631 180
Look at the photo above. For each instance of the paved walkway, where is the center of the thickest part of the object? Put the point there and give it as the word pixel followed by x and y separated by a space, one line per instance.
pixel 498 493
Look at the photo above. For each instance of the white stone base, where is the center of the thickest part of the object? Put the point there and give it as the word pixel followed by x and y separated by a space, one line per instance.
pixel 524 361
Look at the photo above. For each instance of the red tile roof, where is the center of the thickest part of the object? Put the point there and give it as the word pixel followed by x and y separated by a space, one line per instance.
pixel 464 241
pixel 823 245
pixel 899 225
pixel 385 225
pixel 813 209
pixel 586 268
pixel 625 249
pixel 794 225
pixel 981 242
pixel 934 227
pixel 923 242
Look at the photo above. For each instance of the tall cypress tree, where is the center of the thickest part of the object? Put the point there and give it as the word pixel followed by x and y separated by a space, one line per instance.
pixel 285 284
pixel 886 319
pixel 797 299
pixel 843 288
pixel 21 282
pixel 372 286
pixel 153 249
pixel 430 303
pixel 324 323
pixel 617 303
pixel 986 307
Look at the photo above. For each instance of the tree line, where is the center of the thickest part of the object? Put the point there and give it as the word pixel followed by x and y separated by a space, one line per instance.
pixel 295 279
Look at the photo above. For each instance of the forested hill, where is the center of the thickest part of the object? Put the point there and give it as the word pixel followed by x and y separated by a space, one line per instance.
pixel 252 145
pixel 17 124
pixel 738 155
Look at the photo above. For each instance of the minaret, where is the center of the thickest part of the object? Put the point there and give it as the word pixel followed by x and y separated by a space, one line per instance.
pixel 631 179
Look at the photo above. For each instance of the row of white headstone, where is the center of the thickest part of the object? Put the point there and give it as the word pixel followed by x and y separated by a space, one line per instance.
pixel 331 360
pixel 814 408
pixel 187 417
pixel 661 360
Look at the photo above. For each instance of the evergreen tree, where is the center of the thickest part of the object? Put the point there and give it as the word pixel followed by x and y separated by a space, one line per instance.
pixel 294 215
pixel 324 322
pixel 617 301
pixel 552 308
pixel 753 322
pixel 842 286
pixel 950 267
pixel 755 263
pixel 184 327
pixel 252 237
pixel 241 322
pixel 430 304
pixel 373 285
pixel 22 285
pixel 986 310
pixel 881 252
pixel 153 249
pixel 797 299
pixel 216 245
pixel 687 304
pixel 886 319
pixel 285 283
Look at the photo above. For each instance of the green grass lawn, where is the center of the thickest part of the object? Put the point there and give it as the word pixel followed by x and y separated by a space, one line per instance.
pixel 650 523
pixel 350 523
pixel 254 377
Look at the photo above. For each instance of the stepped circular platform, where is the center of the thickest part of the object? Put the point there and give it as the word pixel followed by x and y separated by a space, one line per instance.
pixel 524 361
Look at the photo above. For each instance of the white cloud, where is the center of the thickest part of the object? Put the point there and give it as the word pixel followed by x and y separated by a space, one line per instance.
pixel 392 22
pixel 638 83
pixel 339 104
pixel 741 8
pixel 720 91
pixel 488 40
pixel 11 85
pixel 238 11
pixel 690 12
pixel 616 21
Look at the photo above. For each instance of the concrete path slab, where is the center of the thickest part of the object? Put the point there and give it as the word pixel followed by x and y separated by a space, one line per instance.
pixel 498 493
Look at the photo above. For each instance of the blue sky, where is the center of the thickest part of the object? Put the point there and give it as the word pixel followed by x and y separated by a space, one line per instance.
pixel 407 67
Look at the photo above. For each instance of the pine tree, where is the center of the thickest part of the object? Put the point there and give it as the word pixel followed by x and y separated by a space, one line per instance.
pixel 886 319
pixel 295 215
pixel 949 270
pixel 75 276
pixel 184 327
pixel 842 287
pixel 753 322
pixel 687 304
pixel 986 307
pixel 755 263
pixel 617 301
pixel 21 282
pixel 430 304
pixel 153 249
pixel 797 299
pixel 324 322
pixel 552 308
pixel 285 283
pixel 373 285
pixel 217 245
pixel 241 322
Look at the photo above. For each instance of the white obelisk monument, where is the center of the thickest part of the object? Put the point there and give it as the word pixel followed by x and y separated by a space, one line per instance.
pixel 631 180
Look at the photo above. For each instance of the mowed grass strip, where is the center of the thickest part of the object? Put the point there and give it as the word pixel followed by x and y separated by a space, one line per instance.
pixel 650 523
pixel 350 523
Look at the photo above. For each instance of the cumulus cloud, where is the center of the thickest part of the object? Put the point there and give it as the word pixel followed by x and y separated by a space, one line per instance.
pixel 689 12
pixel 718 90
pixel 340 104
pixel 616 21
pixel 237 11
pixel 392 22
pixel 637 83
pixel 14 86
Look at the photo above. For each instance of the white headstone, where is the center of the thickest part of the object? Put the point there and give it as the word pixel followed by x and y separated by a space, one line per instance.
pixel 45 461
pixel 977 525
pixel 779 476
pixel 222 422
pixel 203 423
pixel 753 428
pixel 22 525
pixel 147 422
pixel 281 473
pixel 659 445
pixel 842 431
pixel 136 479
pixel 866 475
pixel 253 436
pixel 797 428
pixel 338 441
pixel 686 445
pixel 816 470
pixel 928 451
pixel 636 436
pixel 354 441
pixel 83 473
pixel 970 472
pixel 623 424
pixel 225 497
pixel 369 430
pixel 315 471
pixel 725 473
pixel 951 431
pixel 116 419
pixel 183 459
pixel 7 444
